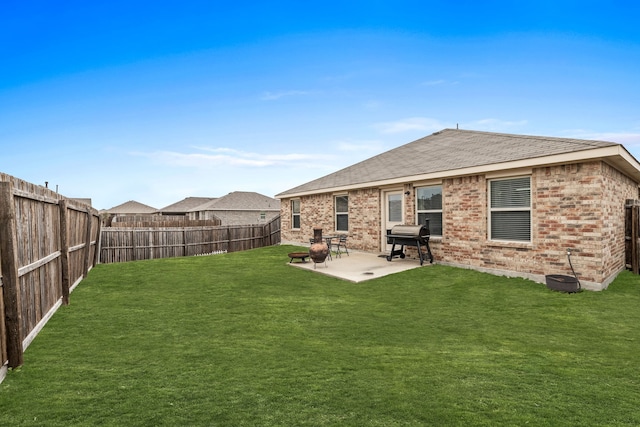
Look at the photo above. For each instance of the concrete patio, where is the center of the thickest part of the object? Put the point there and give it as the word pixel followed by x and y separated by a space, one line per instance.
pixel 360 266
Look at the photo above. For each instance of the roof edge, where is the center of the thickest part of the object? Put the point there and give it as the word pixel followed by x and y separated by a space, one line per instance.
pixel 615 154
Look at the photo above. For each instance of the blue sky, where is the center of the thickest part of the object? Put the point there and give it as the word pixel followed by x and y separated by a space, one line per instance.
pixel 155 101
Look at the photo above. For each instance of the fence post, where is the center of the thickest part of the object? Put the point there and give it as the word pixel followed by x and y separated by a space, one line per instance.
pixel 133 244
pixel 184 242
pixel 96 251
pixel 87 245
pixel 10 278
pixel 64 249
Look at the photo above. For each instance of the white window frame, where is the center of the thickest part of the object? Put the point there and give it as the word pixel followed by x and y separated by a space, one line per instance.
pixel 491 209
pixel 295 214
pixel 340 213
pixel 430 211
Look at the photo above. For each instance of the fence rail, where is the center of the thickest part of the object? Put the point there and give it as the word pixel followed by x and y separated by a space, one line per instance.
pixel 122 244
pixel 47 245
pixel 142 221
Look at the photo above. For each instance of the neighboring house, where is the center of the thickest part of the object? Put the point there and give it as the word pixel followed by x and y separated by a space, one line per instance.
pixel 184 206
pixel 131 208
pixel 505 204
pixel 128 209
pixel 238 208
pixel 83 200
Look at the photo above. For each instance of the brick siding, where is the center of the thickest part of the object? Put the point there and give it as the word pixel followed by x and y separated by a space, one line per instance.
pixel 575 206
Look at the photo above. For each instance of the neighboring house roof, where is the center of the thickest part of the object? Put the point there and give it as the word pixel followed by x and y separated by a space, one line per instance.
pixel 453 152
pixel 240 201
pixel 131 207
pixel 185 205
pixel 84 200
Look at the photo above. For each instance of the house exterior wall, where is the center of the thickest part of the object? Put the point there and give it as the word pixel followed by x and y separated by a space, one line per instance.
pixel 202 215
pixel 237 217
pixel 365 219
pixel 581 207
pixel 578 207
pixel 617 189
pixel 575 206
pixel 317 211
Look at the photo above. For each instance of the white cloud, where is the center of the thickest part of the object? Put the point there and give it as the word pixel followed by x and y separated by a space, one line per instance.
pixel 206 157
pixel 628 139
pixel 423 124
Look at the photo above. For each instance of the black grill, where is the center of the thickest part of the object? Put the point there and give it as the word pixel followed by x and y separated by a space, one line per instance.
pixel 409 235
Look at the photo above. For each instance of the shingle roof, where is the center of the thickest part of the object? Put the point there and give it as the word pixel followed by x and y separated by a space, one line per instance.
pixel 446 150
pixel 186 204
pixel 131 207
pixel 85 200
pixel 241 201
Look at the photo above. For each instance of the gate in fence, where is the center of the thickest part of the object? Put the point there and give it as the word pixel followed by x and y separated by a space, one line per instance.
pixel 632 235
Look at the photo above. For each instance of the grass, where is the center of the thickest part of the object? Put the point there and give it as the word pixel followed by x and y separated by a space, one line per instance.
pixel 243 339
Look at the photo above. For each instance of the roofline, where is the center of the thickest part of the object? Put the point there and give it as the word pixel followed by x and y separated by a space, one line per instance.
pixel 235 209
pixel 616 155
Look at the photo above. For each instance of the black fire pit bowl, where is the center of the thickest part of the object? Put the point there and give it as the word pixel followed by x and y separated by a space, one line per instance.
pixel 562 283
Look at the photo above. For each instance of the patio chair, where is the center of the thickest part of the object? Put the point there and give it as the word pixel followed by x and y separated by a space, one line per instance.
pixel 342 243
pixel 328 241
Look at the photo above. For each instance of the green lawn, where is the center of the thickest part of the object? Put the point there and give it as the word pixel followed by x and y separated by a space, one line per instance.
pixel 243 339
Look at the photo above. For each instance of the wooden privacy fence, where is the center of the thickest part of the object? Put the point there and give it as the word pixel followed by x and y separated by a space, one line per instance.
pixel 133 244
pixel 632 235
pixel 151 220
pixel 47 245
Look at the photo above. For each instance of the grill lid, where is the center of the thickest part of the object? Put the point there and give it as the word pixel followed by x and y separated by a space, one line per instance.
pixel 413 231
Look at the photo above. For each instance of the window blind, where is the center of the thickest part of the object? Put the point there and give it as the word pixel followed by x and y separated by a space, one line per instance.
pixel 510 209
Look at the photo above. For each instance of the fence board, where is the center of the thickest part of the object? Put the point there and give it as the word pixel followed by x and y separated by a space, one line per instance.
pixel 11 285
pixel 155 221
pixel 36 226
pixel 118 244
pixel 4 358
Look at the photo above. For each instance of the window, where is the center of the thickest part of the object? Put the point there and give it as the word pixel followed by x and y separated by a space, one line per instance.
pixel 342 213
pixel 429 206
pixel 510 209
pixel 295 214
pixel 394 207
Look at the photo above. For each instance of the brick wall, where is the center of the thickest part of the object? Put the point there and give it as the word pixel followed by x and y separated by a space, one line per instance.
pixel 568 215
pixel 318 211
pixel 576 206
pixel 365 219
pixel 617 188
pixel 464 217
